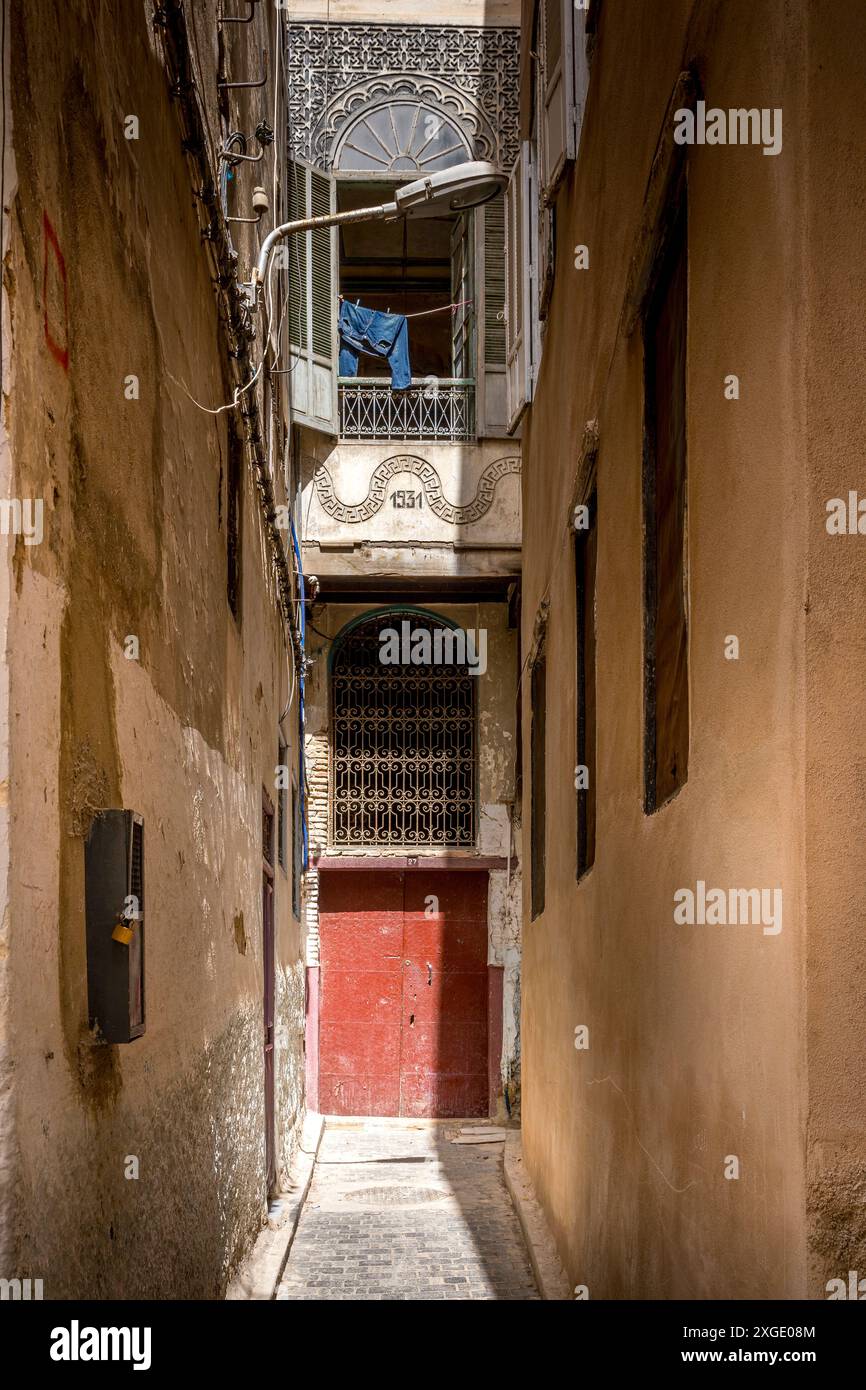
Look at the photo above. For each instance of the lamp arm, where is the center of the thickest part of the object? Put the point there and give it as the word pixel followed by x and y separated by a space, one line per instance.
pixel 328 219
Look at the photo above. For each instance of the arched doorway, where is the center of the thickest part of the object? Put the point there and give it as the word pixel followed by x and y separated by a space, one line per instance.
pixel 404 982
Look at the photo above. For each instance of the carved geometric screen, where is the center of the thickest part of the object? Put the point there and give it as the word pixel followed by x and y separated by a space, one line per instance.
pixel 468 73
pixel 403 743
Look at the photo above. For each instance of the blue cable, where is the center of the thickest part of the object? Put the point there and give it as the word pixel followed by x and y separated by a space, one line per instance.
pixel 302 717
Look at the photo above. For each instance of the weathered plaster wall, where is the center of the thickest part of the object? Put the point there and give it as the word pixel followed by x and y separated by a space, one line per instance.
pixel 135 543
pixel 7 1091
pixel 834 623
pixel 470 493
pixel 697 1047
pixel 467 526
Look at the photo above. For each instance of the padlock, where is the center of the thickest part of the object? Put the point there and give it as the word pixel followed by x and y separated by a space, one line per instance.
pixel 122 933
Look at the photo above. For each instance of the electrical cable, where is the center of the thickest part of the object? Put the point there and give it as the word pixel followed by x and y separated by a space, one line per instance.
pixel 277 160
pixel 239 390
pixel 229 405
pixel 205 113
pixel 327 636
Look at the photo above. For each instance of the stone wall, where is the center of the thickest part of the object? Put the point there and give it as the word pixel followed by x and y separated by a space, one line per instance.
pixel 107 277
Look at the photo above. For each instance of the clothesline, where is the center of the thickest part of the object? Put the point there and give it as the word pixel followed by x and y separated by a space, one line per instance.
pixel 422 313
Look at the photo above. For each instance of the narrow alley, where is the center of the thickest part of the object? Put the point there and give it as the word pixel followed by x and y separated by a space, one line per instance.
pixel 432 673
pixel 398 1210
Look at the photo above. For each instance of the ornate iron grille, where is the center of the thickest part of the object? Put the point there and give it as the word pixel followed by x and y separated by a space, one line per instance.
pixel 428 409
pixel 403 745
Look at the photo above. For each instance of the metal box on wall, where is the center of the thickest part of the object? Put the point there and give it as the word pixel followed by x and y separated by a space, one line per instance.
pixel 114 913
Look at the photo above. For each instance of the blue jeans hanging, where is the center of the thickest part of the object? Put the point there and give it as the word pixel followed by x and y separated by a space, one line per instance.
pixel 380 335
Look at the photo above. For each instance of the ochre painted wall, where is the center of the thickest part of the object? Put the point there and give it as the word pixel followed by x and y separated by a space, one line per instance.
pixel 708 1041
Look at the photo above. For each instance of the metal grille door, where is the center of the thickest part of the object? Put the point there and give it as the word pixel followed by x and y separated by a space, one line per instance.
pixel 403 763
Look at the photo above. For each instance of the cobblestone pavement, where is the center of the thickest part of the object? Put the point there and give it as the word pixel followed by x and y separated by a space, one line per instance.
pixel 396 1211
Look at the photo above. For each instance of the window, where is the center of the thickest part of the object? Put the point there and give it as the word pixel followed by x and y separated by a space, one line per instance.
pixel 404 267
pixel 308 259
pixel 559 87
pixel 666 678
pixel 520 263
pixel 403 136
pixel 267 828
pixel 585 555
pixel 538 790
pixel 490 244
pixel 418 267
pixel 562 85
pixel 234 531
pixel 403 753
pixel 281 804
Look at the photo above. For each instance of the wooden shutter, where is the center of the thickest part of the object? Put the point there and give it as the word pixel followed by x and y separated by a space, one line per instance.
pixel 518 269
pixel 310 261
pixel 557 106
pixel 581 76
pixel 462 318
pixel 490 258
pixel 532 199
pixel 666 621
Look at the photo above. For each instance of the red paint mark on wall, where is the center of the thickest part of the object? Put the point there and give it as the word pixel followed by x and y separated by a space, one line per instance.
pixel 55 298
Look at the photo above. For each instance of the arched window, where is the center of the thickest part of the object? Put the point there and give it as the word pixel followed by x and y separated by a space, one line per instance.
pixel 402 136
pixel 402 734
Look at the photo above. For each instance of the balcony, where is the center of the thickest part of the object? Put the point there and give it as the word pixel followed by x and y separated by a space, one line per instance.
pixel 434 409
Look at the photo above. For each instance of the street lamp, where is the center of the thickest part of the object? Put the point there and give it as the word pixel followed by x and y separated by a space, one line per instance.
pixel 451 190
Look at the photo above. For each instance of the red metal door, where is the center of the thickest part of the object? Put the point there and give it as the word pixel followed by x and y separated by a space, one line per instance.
pixel 403 1009
pixel 443 1061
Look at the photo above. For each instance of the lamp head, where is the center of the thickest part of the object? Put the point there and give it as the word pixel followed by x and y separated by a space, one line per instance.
pixel 450 190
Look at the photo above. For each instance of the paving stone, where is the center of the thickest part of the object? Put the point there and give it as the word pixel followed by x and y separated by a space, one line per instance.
pixel 396 1212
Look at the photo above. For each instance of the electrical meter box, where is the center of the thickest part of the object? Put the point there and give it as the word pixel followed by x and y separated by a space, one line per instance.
pixel 114 913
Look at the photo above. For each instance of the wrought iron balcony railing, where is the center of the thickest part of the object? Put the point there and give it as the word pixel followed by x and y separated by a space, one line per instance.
pixel 432 408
